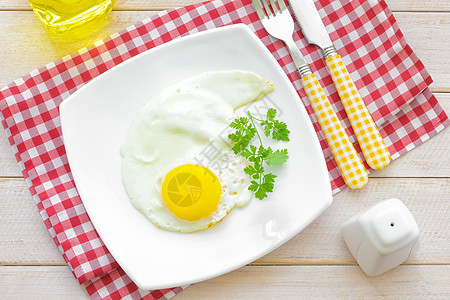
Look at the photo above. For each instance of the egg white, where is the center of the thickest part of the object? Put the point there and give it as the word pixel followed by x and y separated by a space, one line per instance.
pixel 174 128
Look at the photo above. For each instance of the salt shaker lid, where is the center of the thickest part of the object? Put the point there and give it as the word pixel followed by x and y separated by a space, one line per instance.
pixel 389 225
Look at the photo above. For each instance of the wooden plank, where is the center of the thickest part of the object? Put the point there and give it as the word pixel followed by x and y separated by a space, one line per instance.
pixel 24 239
pixel 431 159
pixel 259 282
pixel 323 282
pixel 420 5
pixel 40 283
pixel 395 5
pixel 8 162
pixel 426 32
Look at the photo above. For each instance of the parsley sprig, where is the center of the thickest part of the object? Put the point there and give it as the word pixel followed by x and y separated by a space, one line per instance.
pixel 244 131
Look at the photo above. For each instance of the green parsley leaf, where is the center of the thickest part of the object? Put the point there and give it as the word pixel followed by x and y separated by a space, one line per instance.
pixel 280 131
pixel 260 193
pixel 264 153
pixel 253 186
pixel 278 157
pixel 268 124
pixel 250 170
pixel 271 113
pixel 266 186
pixel 246 153
pixel 244 134
pixel 267 127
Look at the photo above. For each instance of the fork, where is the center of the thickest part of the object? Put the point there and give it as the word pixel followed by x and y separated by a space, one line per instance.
pixel 278 22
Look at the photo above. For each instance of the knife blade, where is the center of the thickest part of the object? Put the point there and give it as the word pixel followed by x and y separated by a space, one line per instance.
pixel 311 23
pixel 369 138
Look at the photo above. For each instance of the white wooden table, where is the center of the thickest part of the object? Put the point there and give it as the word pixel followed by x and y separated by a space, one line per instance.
pixel 314 264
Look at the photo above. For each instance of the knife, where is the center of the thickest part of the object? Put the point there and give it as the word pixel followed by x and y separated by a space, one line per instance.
pixel 372 144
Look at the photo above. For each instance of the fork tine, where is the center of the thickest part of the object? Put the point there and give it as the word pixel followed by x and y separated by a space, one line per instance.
pixel 258 9
pixel 281 4
pixel 266 6
pixel 274 7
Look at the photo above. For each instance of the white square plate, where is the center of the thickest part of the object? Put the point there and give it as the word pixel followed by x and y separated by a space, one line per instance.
pixel 96 118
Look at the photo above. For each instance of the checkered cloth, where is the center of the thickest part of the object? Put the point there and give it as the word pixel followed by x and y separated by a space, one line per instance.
pixel 390 78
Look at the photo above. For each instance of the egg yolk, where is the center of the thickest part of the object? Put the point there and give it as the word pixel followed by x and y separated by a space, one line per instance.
pixel 191 192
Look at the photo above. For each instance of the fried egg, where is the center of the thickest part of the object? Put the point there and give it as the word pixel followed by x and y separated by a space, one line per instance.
pixel 178 167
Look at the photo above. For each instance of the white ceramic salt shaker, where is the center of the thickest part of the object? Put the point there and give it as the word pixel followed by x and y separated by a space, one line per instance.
pixel 382 236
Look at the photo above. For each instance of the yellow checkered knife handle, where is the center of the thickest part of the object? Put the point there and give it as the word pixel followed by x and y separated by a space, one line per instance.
pixel 348 161
pixel 372 144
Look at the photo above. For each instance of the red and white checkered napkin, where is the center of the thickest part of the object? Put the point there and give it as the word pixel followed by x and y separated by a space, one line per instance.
pixel 391 79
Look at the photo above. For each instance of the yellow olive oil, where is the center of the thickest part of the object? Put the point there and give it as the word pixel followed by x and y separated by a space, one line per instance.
pixel 62 15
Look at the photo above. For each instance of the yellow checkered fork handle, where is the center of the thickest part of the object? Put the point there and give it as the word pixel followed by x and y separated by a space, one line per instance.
pixel 348 161
pixel 372 144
